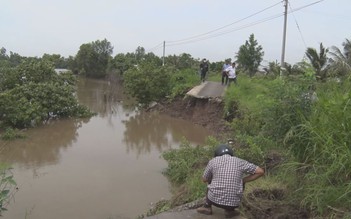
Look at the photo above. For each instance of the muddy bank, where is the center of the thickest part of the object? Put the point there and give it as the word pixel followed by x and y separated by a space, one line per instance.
pixel 208 113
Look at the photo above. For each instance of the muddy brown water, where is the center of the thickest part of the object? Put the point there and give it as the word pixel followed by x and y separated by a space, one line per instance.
pixel 105 167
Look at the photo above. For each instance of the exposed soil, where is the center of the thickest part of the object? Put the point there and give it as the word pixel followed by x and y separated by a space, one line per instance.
pixel 205 112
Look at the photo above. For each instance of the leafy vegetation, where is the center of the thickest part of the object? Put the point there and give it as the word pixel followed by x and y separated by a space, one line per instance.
pixel 7 186
pixel 33 93
pixel 149 82
pixel 250 55
pixel 10 134
pixel 93 58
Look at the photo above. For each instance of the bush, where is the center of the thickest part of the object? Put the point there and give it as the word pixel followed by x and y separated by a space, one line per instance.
pixel 7 186
pixel 147 83
pixel 11 134
pixel 33 93
pixel 182 81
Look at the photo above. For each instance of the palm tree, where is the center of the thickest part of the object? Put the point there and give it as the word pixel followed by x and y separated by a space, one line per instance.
pixel 341 61
pixel 318 61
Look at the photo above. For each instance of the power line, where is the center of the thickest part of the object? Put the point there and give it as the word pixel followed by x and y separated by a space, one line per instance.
pixel 155 47
pixel 203 36
pixel 238 28
pixel 199 35
pixel 298 27
pixel 228 31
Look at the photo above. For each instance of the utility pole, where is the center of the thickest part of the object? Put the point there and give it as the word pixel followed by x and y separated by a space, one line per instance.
pixel 163 57
pixel 282 62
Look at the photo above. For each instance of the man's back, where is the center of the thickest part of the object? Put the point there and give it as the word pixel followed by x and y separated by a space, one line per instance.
pixel 226 186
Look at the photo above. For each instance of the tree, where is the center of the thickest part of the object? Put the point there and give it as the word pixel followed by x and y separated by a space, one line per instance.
pixel 250 55
pixel 92 59
pixel 152 58
pixel 139 54
pixel 122 63
pixel 318 61
pixel 32 93
pixel 58 60
pixel 341 60
pixel 147 83
pixel 181 62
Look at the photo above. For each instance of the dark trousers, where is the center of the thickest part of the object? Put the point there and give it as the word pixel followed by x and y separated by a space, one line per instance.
pixel 209 203
pixel 224 78
pixel 232 80
pixel 203 75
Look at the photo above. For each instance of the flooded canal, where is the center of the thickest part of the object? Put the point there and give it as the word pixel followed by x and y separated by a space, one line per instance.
pixel 105 167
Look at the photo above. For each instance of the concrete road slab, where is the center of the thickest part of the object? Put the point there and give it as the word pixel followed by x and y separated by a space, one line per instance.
pixel 192 214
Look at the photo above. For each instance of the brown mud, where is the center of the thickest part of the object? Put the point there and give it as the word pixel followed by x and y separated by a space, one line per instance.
pixel 259 204
pixel 205 112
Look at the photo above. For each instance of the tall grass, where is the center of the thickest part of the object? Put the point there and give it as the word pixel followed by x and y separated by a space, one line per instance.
pixel 313 122
pixel 308 123
pixel 323 142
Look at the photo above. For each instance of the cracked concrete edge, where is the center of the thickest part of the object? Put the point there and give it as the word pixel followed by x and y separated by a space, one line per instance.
pixel 194 91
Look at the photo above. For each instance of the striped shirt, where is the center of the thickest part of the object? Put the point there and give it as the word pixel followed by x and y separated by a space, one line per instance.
pixel 225 174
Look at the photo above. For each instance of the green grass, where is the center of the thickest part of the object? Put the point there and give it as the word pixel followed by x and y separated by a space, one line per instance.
pixel 307 123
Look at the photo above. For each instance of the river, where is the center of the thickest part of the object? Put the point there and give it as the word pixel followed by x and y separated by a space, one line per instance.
pixel 105 167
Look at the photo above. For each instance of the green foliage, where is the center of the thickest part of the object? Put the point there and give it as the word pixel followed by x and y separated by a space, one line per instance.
pixel 182 162
pixel 182 81
pixel 181 62
pixel 122 62
pixel 323 143
pixel 244 103
pixel 93 58
pixel 311 120
pixel 11 134
pixel 7 186
pixel 341 60
pixel 148 83
pixel 252 149
pixel 33 93
pixel 318 61
pixel 57 60
pixel 250 55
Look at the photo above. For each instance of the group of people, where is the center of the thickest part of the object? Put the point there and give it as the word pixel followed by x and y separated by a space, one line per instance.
pixel 228 72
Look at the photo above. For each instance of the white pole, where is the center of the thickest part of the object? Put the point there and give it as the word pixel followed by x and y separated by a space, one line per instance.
pixel 282 62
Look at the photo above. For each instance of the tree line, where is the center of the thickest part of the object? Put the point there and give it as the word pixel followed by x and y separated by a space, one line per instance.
pixel 31 93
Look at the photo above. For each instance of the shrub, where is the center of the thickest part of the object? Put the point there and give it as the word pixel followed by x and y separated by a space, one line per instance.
pixel 147 83
pixel 7 186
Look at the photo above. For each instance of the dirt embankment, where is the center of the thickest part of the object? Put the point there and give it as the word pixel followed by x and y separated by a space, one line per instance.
pixel 205 112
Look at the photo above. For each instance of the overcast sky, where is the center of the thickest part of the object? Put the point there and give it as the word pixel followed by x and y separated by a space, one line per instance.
pixel 205 29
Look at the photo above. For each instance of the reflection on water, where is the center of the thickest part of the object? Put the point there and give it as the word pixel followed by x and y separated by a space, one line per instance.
pixel 145 130
pixel 108 166
pixel 43 144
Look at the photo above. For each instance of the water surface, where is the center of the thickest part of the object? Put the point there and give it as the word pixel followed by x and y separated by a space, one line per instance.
pixel 108 166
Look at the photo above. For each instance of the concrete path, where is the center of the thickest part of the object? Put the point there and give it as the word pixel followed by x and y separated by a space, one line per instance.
pixel 192 214
pixel 208 89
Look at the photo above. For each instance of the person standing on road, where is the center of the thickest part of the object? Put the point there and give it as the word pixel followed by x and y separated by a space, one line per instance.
pixel 231 71
pixel 224 73
pixel 225 175
pixel 203 69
